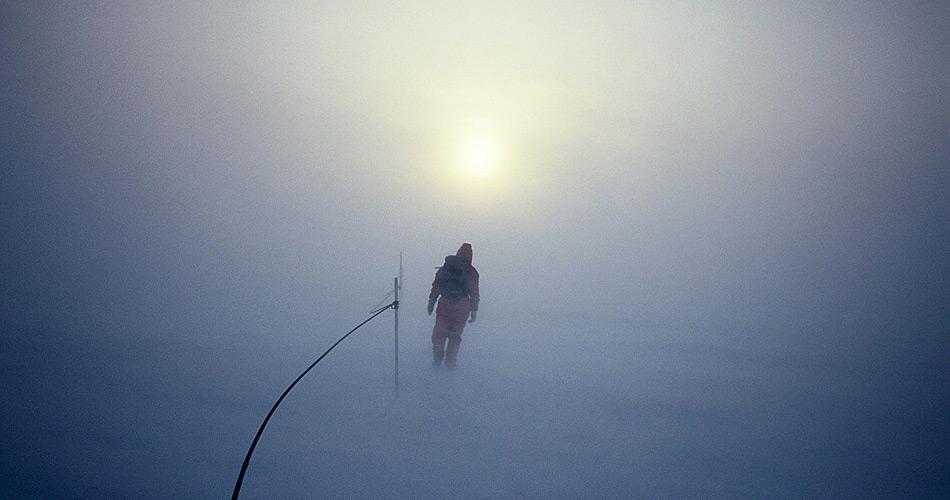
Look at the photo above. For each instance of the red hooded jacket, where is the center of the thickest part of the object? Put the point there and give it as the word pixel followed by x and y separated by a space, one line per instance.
pixel 465 251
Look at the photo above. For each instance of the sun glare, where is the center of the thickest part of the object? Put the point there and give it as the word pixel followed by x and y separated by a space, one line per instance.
pixel 479 157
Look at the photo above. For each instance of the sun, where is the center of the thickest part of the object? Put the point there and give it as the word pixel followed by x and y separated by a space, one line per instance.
pixel 479 156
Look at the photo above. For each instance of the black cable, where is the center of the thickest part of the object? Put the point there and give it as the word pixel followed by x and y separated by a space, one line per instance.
pixel 250 451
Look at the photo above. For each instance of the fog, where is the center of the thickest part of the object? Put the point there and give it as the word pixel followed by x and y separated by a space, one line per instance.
pixel 712 247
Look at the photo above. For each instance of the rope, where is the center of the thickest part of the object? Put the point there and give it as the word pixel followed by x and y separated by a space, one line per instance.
pixel 380 303
pixel 257 437
pixel 386 297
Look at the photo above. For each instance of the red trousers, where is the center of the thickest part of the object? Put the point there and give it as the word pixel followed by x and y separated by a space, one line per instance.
pixel 450 318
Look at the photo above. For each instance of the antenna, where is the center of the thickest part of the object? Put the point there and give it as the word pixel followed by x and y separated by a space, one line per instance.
pixel 397 285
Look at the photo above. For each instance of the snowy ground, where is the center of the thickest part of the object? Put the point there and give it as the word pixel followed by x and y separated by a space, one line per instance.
pixel 539 408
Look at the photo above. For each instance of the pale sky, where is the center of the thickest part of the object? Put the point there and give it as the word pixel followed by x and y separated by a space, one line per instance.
pixel 720 156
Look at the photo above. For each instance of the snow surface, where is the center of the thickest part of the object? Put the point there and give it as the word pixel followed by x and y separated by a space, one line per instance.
pixel 540 407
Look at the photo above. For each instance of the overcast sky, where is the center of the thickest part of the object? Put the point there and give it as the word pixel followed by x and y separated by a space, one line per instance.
pixel 778 168
pixel 768 158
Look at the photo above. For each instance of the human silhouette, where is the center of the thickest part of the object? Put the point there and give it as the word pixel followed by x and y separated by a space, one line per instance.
pixel 455 287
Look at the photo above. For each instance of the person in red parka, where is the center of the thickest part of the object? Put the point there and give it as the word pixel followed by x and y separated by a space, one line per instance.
pixel 456 289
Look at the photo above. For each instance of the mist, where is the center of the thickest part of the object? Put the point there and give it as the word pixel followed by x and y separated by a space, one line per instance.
pixel 712 248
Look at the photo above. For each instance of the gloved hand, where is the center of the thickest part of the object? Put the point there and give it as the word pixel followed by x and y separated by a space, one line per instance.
pixel 431 306
pixel 473 317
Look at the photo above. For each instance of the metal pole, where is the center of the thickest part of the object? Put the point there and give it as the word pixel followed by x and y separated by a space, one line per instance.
pixel 396 315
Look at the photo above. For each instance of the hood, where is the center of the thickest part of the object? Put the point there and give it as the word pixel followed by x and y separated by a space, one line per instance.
pixel 465 252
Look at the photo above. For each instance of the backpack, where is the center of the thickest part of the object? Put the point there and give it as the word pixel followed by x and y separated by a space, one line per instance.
pixel 453 282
